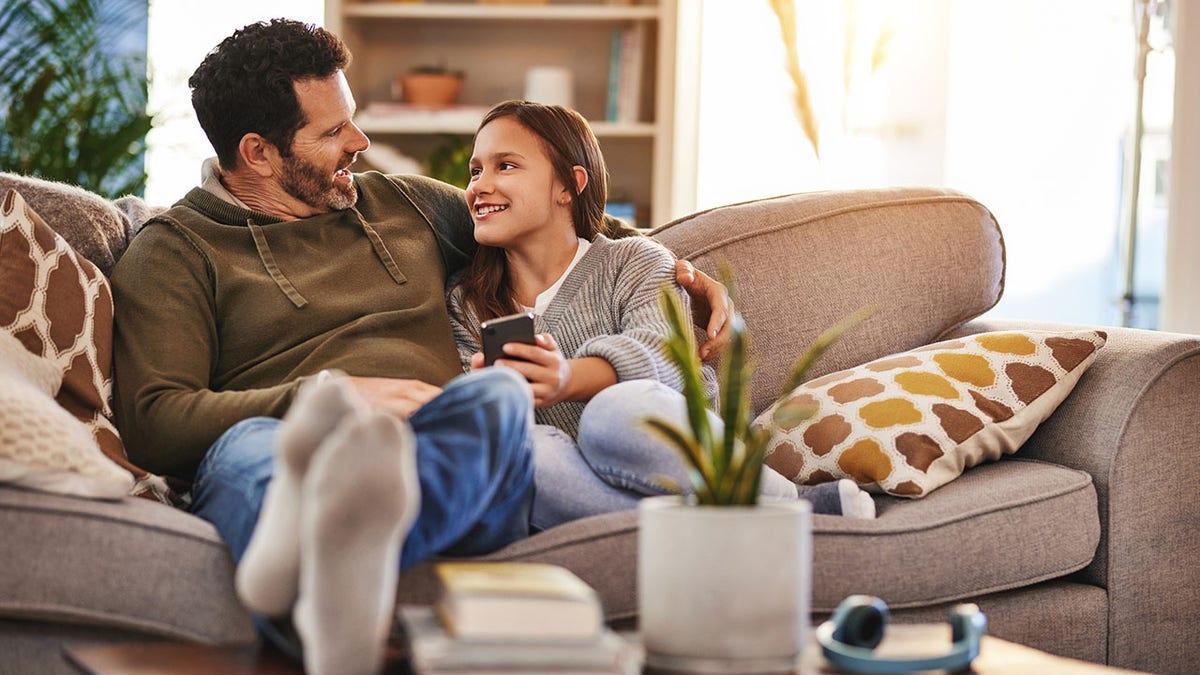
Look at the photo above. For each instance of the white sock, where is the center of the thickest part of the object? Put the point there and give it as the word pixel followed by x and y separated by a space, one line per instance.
pixel 268 576
pixel 856 502
pixel 360 499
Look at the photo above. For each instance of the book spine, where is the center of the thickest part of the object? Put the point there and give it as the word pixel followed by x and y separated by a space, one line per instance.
pixel 614 76
pixel 633 41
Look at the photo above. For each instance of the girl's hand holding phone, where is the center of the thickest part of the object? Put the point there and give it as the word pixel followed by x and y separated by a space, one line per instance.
pixel 543 364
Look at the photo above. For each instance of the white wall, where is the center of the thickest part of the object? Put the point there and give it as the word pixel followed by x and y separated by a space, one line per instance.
pixel 1024 104
pixel 1181 299
pixel 181 32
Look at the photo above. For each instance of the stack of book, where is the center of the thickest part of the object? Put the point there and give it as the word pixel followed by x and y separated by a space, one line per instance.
pixel 513 617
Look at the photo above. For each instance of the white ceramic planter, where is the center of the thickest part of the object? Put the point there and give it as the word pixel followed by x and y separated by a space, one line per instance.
pixel 724 589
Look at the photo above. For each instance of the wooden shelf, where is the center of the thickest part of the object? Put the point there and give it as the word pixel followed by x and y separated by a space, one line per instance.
pixel 495 46
pixel 475 11
pixel 382 123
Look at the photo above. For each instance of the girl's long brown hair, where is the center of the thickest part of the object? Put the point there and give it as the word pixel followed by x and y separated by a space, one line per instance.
pixel 569 142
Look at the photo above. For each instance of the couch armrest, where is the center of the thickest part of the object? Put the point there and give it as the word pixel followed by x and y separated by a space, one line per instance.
pixel 1133 423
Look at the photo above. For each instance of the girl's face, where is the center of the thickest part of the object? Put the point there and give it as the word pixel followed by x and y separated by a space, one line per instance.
pixel 513 191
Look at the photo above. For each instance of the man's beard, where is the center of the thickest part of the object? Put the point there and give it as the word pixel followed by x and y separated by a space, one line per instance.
pixel 316 188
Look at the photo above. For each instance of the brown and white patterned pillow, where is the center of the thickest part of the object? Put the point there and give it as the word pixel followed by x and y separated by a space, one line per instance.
pixel 911 422
pixel 59 306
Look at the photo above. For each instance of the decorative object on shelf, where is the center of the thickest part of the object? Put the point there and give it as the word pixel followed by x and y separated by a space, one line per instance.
pixel 513 2
pixel 432 86
pixel 723 539
pixel 552 85
pixel 623 210
pixel 450 162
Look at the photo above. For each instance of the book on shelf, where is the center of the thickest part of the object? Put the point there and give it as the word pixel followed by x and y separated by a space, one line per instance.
pixel 626 62
pixel 499 600
pixel 432 650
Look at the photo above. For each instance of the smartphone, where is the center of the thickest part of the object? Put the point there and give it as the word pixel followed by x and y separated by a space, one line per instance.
pixel 500 331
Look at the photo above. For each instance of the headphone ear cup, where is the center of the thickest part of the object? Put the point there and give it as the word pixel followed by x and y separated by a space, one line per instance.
pixel 862 622
pixel 961 619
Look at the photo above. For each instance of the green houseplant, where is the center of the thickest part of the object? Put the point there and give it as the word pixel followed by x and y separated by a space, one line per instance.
pixel 724 581
pixel 72 100
pixel 726 469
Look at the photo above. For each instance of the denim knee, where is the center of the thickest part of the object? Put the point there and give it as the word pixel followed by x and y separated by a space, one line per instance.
pixel 235 452
pixel 501 387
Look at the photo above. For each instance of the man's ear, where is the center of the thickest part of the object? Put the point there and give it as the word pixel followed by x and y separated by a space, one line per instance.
pixel 258 154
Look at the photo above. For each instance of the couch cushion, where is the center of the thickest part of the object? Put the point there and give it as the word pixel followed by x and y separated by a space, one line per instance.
pixel 41 445
pixel 908 423
pixel 927 258
pixel 133 565
pixel 1001 526
pixel 59 305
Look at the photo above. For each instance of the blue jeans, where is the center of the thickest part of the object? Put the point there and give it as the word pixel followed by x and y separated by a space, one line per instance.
pixel 474 465
pixel 618 459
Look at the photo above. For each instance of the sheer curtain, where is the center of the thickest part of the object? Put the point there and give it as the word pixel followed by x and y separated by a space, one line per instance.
pixel 1024 104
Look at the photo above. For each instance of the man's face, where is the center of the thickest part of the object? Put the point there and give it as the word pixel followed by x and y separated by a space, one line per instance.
pixel 318 171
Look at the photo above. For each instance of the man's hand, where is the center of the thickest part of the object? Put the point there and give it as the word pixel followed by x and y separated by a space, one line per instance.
pixel 398 397
pixel 711 307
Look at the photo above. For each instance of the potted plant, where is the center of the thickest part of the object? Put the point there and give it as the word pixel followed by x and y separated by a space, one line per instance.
pixel 431 86
pixel 724 580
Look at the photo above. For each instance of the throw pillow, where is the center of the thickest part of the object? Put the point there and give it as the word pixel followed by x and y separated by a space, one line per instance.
pixel 41 445
pixel 59 306
pixel 908 423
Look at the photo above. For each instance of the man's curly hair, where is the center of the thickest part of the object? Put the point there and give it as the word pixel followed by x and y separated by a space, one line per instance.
pixel 245 84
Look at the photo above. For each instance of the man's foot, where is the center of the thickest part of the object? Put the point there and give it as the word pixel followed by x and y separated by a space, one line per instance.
pixel 360 499
pixel 856 502
pixel 268 576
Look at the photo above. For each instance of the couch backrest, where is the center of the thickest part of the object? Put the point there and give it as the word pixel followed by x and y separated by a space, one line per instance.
pixel 92 225
pixel 929 259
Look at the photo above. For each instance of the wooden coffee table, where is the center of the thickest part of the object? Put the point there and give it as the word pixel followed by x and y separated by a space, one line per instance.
pixel 170 658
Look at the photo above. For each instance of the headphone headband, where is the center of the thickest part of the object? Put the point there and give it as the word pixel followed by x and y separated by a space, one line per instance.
pixel 849 638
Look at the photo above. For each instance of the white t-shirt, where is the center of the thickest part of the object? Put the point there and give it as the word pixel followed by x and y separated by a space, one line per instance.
pixel 545 297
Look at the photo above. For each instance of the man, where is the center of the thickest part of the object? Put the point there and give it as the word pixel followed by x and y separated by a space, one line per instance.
pixel 287 287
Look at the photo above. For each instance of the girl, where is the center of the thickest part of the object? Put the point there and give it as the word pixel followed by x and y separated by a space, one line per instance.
pixel 537 193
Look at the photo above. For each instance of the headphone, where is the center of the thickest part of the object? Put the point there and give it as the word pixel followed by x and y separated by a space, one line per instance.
pixel 850 636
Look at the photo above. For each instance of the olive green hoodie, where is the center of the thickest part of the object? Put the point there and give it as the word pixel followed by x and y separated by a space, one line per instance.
pixel 220 312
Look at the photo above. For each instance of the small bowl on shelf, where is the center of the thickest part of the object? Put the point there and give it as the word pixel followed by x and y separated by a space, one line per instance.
pixel 435 88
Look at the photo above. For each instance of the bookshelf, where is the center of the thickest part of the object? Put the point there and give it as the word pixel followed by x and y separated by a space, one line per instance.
pixel 494 45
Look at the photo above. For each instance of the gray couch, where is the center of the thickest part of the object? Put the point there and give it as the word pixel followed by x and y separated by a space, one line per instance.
pixel 1082 544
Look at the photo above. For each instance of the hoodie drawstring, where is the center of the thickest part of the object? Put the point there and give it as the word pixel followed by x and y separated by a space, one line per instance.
pixel 281 280
pixel 381 251
pixel 268 261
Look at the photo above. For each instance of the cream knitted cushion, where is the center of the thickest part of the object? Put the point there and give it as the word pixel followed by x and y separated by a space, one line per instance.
pixel 43 446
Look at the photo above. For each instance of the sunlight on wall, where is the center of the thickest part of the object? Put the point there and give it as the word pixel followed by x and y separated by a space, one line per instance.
pixel 181 33
pixel 1022 104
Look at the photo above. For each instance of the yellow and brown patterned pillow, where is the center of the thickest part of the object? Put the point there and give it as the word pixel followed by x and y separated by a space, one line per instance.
pixel 59 306
pixel 908 423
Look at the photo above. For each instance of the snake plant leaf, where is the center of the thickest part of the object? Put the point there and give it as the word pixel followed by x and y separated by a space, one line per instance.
pixel 791 413
pixel 696 458
pixel 815 350
pixel 681 349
